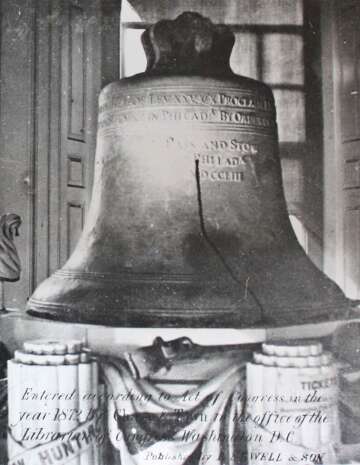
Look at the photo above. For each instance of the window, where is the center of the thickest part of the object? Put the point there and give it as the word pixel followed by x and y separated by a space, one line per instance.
pixel 272 53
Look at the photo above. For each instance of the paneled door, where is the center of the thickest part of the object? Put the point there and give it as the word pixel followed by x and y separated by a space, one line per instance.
pixel 55 56
pixel 348 48
pixel 80 77
pixel 341 114
pixel 80 56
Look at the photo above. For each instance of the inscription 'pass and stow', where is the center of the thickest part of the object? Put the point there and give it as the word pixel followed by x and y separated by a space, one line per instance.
pixel 220 160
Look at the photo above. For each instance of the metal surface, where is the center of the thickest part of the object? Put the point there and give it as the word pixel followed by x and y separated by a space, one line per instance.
pixel 188 224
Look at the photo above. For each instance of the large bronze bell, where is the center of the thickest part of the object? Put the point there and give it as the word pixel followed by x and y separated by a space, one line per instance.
pixel 188 224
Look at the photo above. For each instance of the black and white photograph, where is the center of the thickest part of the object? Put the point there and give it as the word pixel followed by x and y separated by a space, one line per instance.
pixel 179 232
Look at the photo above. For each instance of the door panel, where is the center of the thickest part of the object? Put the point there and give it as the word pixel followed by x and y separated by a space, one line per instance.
pixel 349 47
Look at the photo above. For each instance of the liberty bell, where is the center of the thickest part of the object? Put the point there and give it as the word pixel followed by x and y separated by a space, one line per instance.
pixel 188 224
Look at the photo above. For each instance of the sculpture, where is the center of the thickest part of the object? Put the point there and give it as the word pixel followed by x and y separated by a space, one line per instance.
pixel 10 266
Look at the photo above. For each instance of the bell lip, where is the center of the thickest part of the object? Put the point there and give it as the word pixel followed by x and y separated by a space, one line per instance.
pixel 207 319
pixel 138 317
pixel 142 300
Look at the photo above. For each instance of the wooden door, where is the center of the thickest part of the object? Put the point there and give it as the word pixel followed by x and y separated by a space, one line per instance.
pixel 341 111
pixel 80 64
pixel 348 28
pixel 80 56
pixel 56 55
pixel 17 157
